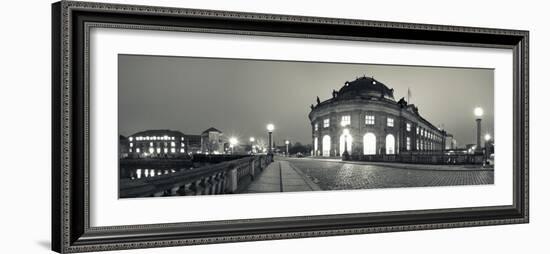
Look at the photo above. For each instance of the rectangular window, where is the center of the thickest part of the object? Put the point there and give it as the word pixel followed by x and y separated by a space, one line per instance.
pixel 316 127
pixel 130 149
pixel 131 144
pixel 417 145
pixel 137 150
pixel 408 144
pixel 417 130
pixel 346 120
pixel 369 120
pixel 390 122
pixel 172 150
pixel 408 127
pixel 326 123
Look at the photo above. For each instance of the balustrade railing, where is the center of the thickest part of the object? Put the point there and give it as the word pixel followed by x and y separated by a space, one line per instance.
pixel 224 177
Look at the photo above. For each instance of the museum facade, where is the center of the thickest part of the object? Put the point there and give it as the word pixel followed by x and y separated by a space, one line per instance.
pixel 363 118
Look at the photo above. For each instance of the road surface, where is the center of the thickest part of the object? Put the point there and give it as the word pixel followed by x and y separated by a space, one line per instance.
pixel 337 175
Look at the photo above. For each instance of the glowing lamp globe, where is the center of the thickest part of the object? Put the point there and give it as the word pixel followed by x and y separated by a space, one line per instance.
pixel 478 112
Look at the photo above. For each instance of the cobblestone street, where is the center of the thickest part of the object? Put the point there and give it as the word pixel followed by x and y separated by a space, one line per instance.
pixel 336 175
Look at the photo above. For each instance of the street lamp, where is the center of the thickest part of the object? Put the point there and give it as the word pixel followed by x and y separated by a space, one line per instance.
pixel 270 128
pixel 345 154
pixel 287 142
pixel 252 139
pixel 478 112
pixel 232 143
pixel 487 137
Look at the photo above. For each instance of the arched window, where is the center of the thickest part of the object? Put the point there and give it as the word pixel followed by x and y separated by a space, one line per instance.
pixel 390 144
pixel 343 142
pixel 369 143
pixel 326 145
pixel 315 146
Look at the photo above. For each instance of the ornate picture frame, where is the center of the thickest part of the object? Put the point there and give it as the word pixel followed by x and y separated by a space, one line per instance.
pixel 71 229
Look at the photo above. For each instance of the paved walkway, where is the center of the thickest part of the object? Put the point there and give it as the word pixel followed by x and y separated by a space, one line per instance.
pixel 280 176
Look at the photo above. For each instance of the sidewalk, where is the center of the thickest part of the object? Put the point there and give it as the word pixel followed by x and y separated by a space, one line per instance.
pixel 280 176
pixel 406 165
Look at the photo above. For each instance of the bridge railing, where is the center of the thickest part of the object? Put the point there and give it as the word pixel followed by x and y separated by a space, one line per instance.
pixel 225 177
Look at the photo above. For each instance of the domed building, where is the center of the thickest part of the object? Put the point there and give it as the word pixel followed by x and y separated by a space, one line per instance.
pixel 365 116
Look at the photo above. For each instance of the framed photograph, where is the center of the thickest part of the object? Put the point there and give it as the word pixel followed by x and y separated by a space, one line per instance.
pixel 182 126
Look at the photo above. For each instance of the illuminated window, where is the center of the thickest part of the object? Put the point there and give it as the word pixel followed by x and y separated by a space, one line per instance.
pixel 346 120
pixel 369 144
pixel 158 149
pixel 390 144
pixel 182 138
pixel 417 145
pixel 182 150
pixel 408 144
pixel 131 144
pixel 165 150
pixel 316 127
pixel 182 144
pixel 172 143
pixel 130 138
pixel 173 138
pixel 417 130
pixel 326 123
pixel 130 150
pixel 408 127
pixel 151 150
pixel 151 144
pixel 390 122
pixel 137 150
pixel 172 150
pixel 369 119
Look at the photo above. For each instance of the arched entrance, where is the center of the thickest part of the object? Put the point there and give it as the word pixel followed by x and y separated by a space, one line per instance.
pixel 326 145
pixel 315 146
pixel 369 143
pixel 390 144
pixel 343 142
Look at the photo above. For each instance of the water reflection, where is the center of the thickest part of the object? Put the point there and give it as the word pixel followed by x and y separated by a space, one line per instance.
pixel 139 173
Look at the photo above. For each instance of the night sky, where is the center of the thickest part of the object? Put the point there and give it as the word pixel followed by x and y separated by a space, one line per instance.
pixel 240 97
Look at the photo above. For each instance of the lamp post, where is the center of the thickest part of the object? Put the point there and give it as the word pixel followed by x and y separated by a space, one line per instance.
pixel 232 143
pixel 345 154
pixel 286 143
pixel 252 139
pixel 270 128
pixel 478 112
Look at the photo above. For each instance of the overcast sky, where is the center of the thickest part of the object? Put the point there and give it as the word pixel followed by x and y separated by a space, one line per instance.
pixel 239 97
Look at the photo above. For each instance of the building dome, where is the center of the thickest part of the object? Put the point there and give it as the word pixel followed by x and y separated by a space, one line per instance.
pixel 365 87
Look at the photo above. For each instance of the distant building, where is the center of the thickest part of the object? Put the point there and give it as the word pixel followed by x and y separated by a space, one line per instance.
pixel 123 146
pixel 212 141
pixel 193 143
pixel 450 142
pixel 156 144
pixel 376 123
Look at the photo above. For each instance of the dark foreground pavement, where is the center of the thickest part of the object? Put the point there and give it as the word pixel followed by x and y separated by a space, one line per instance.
pixel 338 175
